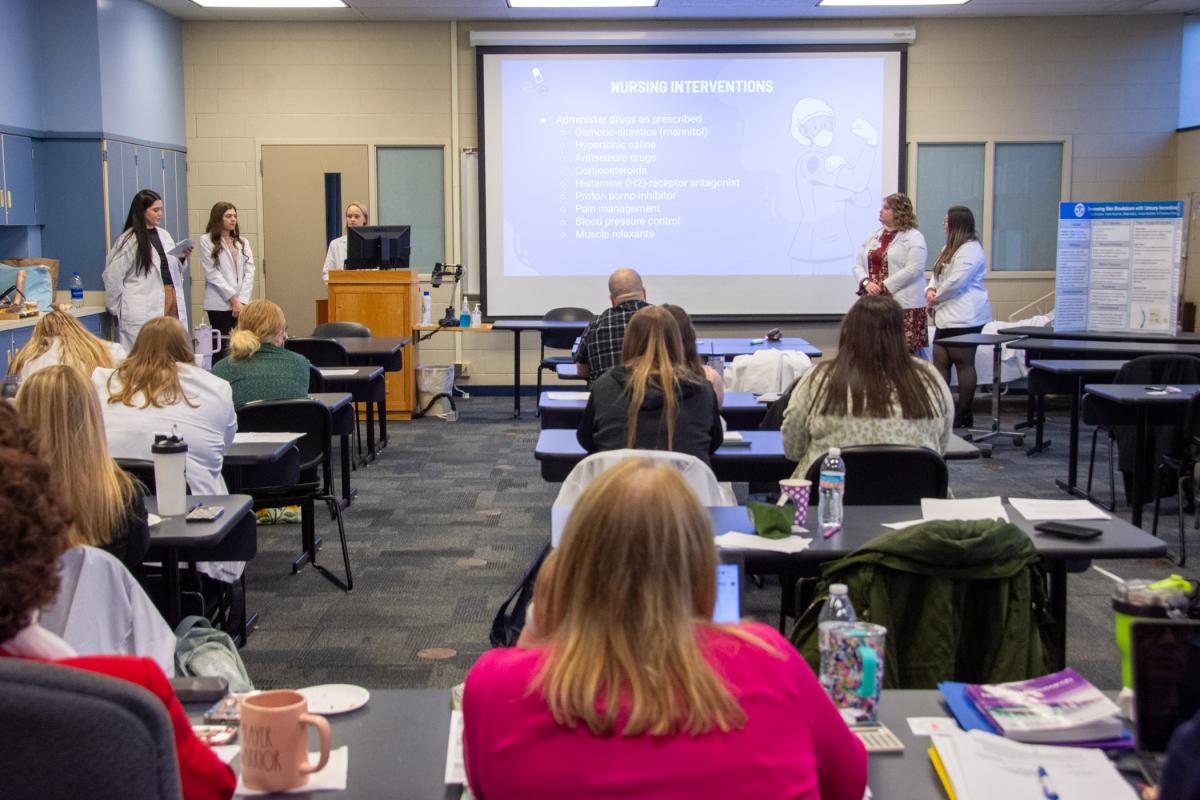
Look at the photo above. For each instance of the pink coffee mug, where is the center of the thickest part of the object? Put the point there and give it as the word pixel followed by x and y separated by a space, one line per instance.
pixel 797 490
pixel 274 737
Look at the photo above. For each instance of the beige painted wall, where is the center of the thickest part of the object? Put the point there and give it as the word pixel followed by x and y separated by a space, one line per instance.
pixel 1188 181
pixel 1109 85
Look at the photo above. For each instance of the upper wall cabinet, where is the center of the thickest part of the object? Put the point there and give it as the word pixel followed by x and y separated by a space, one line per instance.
pixel 17 197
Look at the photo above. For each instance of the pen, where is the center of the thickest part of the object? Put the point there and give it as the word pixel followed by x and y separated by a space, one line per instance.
pixel 1047 789
pixel 831 530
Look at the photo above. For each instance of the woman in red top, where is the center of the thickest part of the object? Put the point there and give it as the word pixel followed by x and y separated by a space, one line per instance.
pixel 623 687
pixel 33 534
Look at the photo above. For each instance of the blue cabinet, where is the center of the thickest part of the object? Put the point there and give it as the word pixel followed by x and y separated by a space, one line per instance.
pixel 19 197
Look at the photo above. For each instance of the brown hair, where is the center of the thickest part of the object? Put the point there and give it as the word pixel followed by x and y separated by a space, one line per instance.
pixel 260 321
pixel 872 368
pixel 152 367
pixel 33 526
pixel 960 229
pixel 62 407
pixel 624 604
pixel 653 353
pixel 903 215
pixel 80 349
pixel 687 338
pixel 216 226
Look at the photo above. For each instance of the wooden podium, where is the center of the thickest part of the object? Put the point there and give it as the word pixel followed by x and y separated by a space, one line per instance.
pixel 384 301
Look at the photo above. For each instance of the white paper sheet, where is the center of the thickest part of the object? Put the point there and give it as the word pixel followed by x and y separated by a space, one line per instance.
pixel 181 247
pixel 972 508
pixel 249 437
pixel 568 395
pixel 899 526
pixel 330 779
pixel 326 372
pixel 927 726
pixel 456 770
pixel 768 397
pixel 734 540
pixel 1032 509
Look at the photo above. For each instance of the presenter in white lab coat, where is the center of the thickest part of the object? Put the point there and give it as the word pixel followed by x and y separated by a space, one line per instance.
pixel 892 262
pixel 228 265
pixel 141 281
pixel 335 258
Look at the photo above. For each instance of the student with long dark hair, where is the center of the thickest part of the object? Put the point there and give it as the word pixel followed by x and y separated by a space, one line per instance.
pixel 959 304
pixel 652 401
pixel 228 268
pixel 691 355
pixel 141 281
pixel 871 392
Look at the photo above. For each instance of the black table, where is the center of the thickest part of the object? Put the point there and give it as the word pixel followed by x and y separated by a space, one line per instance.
pixel 1166 408
pixel 1106 349
pixel 1049 376
pixel 376 351
pixel 342 411
pixel 730 347
pixel 1118 539
pixel 762 461
pixel 518 326
pixel 242 456
pixel 366 386
pixel 230 537
pixel 996 341
pixel 741 410
pixel 1048 332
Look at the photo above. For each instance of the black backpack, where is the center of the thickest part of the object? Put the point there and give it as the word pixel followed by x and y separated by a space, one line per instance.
pixel 510 619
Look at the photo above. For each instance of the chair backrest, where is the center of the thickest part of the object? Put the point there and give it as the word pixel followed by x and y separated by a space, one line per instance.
pixel 698 475
pixel 329 330
pixel 887 475
pixel 75 733
pixel 1160 369
pixel 142 469
pixel 563 340
pixel 310 417
pixel 320 352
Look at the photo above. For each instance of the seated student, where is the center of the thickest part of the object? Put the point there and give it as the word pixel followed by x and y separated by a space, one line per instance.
pixel 623 687
pixel 34 529
pixel 691 357
pixel 61 406
pixel 600 346
pixel 59 338
pixel 159 388
pixel 871 392
pixel 257 366
pixel 651 401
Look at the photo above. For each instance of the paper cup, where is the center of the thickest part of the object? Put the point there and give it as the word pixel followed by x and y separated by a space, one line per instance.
pixel 798 491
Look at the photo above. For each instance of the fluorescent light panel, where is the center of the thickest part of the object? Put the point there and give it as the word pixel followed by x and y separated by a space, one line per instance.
pixel 270 3
pixel 582 3
pixel 867 3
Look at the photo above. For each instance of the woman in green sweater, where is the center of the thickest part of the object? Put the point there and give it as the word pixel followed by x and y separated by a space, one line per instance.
pixel 258 367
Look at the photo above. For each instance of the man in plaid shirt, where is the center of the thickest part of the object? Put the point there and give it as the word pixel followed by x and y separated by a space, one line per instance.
pixel 600 348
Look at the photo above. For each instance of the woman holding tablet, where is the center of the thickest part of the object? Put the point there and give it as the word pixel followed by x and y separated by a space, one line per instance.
pixel 626 688
pixel 335 257
pixel 892 262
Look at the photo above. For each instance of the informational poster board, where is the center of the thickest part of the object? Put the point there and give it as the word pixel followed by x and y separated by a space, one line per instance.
pixel 1118 266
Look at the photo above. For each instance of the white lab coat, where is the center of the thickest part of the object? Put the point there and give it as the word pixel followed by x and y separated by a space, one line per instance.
pixel 906 266
pixel 136 299
pixel 962 300
pixel 226 276
pixel 101 610
pixel 53 357
pixel 335 257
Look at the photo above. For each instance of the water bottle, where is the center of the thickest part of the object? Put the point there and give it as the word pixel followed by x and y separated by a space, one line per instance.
pixel 426 308
pixel 476 316
pixel 76 291
pixel 831 491
pixel 838 608
pixel 169 452
pixel 464 316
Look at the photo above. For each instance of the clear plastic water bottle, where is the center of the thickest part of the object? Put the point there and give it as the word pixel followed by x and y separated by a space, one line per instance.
pixel 426 308
pixel 838 608
pixel 464 316
pixel 831 490
pixel 476 316
pixel 76 291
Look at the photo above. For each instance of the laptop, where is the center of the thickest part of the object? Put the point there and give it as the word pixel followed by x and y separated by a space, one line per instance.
pixel 1166 685
pixel 728 608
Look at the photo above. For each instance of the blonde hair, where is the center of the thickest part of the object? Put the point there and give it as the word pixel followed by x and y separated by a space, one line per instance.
pixel 623 608
pixel 904 217
pixel 79 348
pixel 653 352
pixel 366 214
pixel 152 367
pixel 61 406
pixel 260 321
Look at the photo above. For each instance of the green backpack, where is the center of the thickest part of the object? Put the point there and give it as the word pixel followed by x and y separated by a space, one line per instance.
pixel 201 649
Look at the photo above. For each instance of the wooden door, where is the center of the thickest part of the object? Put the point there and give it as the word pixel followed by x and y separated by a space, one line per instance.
pixel 293 236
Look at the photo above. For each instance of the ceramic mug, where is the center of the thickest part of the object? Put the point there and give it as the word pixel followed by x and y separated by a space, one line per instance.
pixel 797 490
pixel 274 737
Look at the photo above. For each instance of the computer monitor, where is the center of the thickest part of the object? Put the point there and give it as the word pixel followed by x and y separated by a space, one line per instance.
pixel 378 247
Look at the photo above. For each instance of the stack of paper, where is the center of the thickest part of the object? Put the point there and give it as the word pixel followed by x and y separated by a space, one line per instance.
pixel 1032 509
pixel 973 508
pixel 749 541
pixel 981 766
pixel 568 395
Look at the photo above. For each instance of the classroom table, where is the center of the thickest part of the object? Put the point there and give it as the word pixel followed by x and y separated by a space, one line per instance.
pixel 517 327
pixel 762 461
pixel 1166 408
pixel 731 347
pixel 996 341
pixel 1050 376
pixel 376 351
pixel 232 536
pixel 1118 539
pixel 741 410
pixel 1104 349
pixel 366 385
pixel 342 412
pixel 1048 332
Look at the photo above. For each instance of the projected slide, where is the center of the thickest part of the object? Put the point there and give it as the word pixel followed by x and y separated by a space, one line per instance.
pixel 690 168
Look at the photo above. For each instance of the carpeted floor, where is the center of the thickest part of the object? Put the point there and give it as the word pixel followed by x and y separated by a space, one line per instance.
pixel 450 515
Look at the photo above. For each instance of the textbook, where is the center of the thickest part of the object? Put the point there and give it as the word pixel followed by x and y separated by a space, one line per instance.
pixel 1061 707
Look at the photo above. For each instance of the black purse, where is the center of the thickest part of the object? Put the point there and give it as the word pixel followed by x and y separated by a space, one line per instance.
pixel 510 619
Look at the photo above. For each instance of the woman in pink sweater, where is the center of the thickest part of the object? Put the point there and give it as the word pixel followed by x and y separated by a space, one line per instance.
pixel 623 687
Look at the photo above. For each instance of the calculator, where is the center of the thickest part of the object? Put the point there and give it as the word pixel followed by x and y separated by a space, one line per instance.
pixel 878 738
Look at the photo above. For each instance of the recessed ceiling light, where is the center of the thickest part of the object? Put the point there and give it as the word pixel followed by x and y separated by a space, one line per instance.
pixel 582 3
pixel 270 3
pixel 892 2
